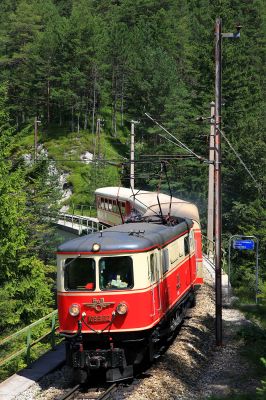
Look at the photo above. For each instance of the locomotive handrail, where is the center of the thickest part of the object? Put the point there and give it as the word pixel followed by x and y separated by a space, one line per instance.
pixel 29 343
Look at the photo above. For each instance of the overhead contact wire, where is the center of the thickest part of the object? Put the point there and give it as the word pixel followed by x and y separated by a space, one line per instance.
pixel 241 161
pixel 182 145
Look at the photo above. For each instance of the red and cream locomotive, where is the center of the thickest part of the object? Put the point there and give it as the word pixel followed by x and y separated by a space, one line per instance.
pixel 123 291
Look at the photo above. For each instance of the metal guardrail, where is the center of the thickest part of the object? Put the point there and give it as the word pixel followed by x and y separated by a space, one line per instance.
pixel 84 224
pixel 27 331
pixel 83 209
pixel 208 248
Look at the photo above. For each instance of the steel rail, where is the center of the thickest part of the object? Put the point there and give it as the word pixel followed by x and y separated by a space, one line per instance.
pixel 70 393
pixel 103 396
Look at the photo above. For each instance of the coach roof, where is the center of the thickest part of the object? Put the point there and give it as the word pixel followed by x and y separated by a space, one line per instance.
pixel 127 238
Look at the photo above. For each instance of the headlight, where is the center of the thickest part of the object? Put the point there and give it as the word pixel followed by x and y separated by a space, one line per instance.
pixel 121 309
pixel 96 247
pixel 74 310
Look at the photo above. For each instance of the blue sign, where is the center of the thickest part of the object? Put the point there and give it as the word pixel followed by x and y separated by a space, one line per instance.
pixel 246 244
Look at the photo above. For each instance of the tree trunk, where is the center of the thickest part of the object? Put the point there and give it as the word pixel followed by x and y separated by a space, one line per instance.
pixel 122 102
pixel 114 86
pixel 48 101
pixel 86 113
pixel 94 99
pixel 72 119
pixel 60 116
pixel 78 121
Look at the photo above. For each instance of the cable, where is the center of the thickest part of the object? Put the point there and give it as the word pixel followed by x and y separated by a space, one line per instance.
pixel 241 161
pixel 182 145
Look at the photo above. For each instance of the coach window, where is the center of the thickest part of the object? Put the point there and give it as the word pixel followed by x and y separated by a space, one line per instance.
pixel 79 274
pixel 102 203
pixel 123 208
pixel 116 273
pixel 114 206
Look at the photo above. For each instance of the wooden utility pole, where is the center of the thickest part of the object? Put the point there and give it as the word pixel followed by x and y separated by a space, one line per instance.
pixel 210 244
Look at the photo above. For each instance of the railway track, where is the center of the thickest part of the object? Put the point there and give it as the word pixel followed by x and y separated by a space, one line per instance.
pixel 91 393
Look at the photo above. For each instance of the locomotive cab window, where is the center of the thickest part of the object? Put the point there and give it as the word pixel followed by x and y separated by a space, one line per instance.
pixel 116 273
pixel 79 274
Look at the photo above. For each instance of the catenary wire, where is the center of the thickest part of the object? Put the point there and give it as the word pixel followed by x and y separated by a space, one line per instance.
pixel 181 144
pixel 240 159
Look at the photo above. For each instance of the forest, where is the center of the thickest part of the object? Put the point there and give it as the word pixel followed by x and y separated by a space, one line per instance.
pixel 77 64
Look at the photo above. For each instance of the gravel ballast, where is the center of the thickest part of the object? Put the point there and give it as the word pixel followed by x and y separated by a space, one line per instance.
pixel 193 367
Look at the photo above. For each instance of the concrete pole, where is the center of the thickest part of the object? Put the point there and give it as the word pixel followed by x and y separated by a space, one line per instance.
pixel 36 123
pixel 210 244
pixel 132 155
pixel 98 130
pixel 217 180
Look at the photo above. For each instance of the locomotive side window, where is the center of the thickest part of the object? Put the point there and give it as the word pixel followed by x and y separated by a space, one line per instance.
pixel 186 245
pixel 165 260
pixel 116 273
pixel 154 272
pixel 174 254
pixel 79 274
pixel 191 240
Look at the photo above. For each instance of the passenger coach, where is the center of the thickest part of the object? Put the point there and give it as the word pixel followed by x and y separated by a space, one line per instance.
pixel 116 205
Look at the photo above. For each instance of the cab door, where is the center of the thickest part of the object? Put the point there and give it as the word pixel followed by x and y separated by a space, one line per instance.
pixel 155 278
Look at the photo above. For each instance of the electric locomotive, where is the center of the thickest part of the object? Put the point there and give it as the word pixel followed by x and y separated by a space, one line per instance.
pixel 122 293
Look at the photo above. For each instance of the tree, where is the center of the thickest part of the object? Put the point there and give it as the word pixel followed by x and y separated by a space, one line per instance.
pixel 25 292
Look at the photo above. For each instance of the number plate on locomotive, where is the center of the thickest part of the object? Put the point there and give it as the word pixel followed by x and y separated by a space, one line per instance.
pixel 98 318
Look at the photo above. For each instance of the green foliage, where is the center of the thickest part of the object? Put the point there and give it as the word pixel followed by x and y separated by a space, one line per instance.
pixel 73 62
pixel 25 212
pixel 234 397
pixel 254 338
pixel 262 390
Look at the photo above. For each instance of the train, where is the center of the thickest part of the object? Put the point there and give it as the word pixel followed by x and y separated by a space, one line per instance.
pixel 116 205
pixel 123 292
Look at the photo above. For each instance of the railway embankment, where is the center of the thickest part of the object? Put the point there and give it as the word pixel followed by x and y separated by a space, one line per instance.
pixel 193 367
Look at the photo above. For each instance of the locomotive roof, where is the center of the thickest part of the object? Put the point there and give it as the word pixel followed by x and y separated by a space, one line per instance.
pixel 131 237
